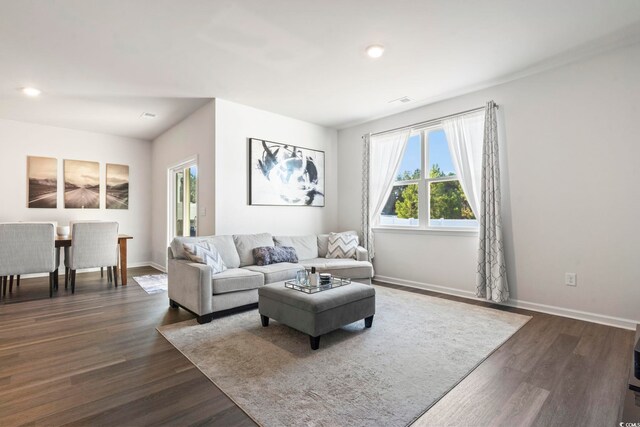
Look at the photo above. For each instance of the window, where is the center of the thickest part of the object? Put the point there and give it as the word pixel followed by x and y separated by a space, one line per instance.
pixel 426 193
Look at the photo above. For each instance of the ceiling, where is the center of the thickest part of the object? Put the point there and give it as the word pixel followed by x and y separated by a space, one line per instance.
pixel 101 64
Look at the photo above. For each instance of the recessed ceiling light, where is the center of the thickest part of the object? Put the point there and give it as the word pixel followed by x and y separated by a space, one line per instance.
pixel 375 51
pixel 31 91
pixel 146 115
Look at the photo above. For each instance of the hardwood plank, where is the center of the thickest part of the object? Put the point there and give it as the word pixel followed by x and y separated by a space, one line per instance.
pixel 581 366
pixel 522 407
pixel 95 358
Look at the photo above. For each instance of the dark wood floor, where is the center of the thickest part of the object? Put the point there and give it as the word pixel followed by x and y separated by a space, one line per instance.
pixel 95 358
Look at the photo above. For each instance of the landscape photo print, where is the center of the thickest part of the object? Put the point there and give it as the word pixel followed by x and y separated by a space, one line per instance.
pixel 285 174
pixel 42 174
pixel 81 184
pixel 117 196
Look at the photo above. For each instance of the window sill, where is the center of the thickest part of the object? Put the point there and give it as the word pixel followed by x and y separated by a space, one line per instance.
pixel 460 232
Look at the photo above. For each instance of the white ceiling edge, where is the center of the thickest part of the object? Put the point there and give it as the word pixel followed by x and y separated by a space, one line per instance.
pixel 618 40
pixel 114 115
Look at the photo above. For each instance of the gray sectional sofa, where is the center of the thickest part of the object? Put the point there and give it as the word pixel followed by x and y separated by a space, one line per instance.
pixel 193 287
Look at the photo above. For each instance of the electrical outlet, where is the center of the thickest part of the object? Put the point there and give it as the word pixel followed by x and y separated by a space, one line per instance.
pixel 570 279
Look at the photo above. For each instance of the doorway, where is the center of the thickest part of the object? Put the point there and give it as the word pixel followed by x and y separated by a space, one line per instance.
pixel 183 200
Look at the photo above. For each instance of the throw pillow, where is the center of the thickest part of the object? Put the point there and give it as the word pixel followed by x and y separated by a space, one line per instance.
pixel 342 245
pixel 205 253
pixel 266 255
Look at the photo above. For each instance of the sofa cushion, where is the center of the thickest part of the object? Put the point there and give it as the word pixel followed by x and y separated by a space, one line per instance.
pixel 177 248
pixel 347 268
pixel 245 243
pixel 235 279
pixel 323 245
pixel 227 249
pixel 342 245
pixel 306 246
pixel 274 254
pixel 224 244
pixel 205 253
pixel 276 272
pixel 323 242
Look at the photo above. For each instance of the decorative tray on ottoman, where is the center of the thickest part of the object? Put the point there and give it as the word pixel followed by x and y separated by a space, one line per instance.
pixel 336 282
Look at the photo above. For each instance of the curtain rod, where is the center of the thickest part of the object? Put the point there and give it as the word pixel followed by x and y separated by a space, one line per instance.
pixel 419 124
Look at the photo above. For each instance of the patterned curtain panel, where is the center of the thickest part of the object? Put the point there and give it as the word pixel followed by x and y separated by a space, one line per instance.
pixel 492 271
pixel 367 233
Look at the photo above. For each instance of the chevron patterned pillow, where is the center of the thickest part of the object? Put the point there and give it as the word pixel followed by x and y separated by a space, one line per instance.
pixel 342 245
pixel 205 253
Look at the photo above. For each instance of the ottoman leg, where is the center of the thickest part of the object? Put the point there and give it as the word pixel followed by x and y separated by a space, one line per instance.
pixel 315 342
pixel 368 321
pixel 265 320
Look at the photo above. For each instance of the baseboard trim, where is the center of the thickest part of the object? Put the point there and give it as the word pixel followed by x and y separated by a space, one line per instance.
pixel 157 267
pixel 89 270
pixel 617 322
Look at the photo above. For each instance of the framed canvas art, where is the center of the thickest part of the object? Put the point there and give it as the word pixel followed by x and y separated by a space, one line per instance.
pixel 81 184
pixel 42 176
pixel 285 174
pixel 117 196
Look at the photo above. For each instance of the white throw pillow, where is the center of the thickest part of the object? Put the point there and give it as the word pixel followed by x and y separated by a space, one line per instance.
pixel 342 245
pixel 205 253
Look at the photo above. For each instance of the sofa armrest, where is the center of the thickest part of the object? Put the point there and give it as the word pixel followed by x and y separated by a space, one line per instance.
pixel 190 285
pixel 362 254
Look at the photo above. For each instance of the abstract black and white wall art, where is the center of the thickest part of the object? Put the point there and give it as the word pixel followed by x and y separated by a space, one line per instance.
pixel 285 174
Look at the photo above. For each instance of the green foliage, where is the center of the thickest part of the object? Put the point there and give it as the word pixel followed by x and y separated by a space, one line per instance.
pixel 447 198
pixel 407 204
pixel 448 201
pixel 193 186
pixel 408 176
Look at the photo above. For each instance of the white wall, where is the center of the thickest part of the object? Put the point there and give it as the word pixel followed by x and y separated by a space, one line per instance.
pixel 192 136
pixel 571 202
pixel 19 140
pixel 236 123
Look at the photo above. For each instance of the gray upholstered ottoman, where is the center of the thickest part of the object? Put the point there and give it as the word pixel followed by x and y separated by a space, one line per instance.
pixel 319 313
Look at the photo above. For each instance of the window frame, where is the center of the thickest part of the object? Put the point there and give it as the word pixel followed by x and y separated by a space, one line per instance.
pixel 424 186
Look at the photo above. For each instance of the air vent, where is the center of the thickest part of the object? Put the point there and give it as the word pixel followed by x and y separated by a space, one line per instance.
pixel 402 100
pixel 146 115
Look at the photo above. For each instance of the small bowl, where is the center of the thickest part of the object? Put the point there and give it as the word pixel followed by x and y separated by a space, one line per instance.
pixel 325 278
pixel 62 230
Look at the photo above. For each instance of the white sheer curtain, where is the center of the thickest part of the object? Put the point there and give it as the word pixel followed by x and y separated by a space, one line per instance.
pixel 465 135
pixel 492 270
pixel 382 154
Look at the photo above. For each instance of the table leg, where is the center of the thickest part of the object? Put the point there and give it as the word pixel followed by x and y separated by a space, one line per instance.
pixel 123 262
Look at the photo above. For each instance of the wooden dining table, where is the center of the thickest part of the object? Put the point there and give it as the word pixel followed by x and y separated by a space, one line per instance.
pixel 65 242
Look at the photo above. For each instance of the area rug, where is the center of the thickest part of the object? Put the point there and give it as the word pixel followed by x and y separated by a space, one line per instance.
pixel 418 349
pixel 153 283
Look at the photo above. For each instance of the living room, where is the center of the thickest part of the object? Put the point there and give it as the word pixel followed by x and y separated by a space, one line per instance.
pixel 191 107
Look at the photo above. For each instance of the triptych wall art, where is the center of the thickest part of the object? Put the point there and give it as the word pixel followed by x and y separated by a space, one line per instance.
pixel 81 184
pixel 42 173
pixel 285 175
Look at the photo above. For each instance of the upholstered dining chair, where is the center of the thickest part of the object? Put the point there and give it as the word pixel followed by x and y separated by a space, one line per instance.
pixel 93 244
pixel 27 248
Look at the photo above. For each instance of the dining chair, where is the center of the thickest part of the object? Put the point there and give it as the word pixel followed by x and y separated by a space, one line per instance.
pixel 27 248
pixel 93 244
